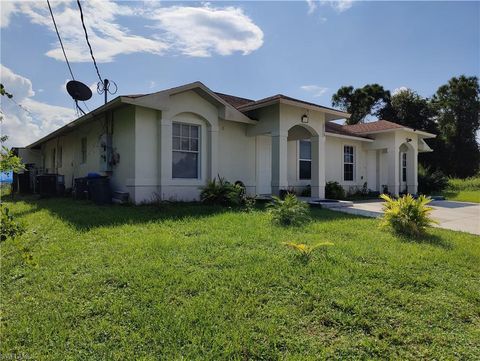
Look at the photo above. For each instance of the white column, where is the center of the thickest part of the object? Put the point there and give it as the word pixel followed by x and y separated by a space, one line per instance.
pixel 318 166
pixel 279 163
pixel 413 168
pixel 165 154
pixel 212 169
pixel 393 156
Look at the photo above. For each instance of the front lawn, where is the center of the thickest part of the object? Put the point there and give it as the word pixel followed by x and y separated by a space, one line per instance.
pixel 194 282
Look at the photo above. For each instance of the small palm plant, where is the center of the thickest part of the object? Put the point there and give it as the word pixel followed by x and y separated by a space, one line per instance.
pixel 407 215
pixel 305 251
pixel 289 211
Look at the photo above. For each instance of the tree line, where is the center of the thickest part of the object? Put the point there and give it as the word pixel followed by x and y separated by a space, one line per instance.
pixel 452 113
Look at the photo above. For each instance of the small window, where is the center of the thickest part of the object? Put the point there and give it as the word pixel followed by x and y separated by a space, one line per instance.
pixel 305 159
pixel 60 157
pixel 84 150
pixel 404 167
pixel 185 147
pixel 348 163
pixel 54 165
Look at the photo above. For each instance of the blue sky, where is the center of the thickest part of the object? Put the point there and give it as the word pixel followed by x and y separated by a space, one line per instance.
pixel 304 49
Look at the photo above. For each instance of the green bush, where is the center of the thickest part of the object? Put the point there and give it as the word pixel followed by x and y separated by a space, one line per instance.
pixel 430 182
pixel 9 228
pixel 333 190
pixel 407 215
pixel 467 184
pixel 289 211
pixel 222 192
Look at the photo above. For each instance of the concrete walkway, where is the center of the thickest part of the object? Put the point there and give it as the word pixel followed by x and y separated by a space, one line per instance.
pixel 458 216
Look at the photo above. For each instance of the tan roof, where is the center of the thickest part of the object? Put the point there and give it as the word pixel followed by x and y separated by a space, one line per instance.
pixel 377 126
pixel 335 128
pixel 234 100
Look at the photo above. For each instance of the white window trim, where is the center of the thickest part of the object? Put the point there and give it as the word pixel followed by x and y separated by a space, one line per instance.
pixel 302 159
pixel 199 151
pixel 403 159
pixel 83 161
pixel 354 180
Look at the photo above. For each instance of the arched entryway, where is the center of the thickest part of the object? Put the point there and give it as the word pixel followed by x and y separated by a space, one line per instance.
pixel 407 171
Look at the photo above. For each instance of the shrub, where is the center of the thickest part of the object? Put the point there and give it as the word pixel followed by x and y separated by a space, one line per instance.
pixel 333 190
pixel 289 211
pixel 307 191
pixel 407 215
pixel 305 251
pixel 222 192
pixel 431 181
pixel 284 192
pixel 9 228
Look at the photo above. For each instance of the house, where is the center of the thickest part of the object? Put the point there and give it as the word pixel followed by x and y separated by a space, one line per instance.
pixel 169 143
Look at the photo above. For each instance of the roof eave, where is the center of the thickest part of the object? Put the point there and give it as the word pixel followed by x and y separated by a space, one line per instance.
pixel 112 103
pixel 348 137
pixel 410 130
pixel 337 114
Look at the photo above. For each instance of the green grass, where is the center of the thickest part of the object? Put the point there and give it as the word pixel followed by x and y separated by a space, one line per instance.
pixel 203 283
pixel 464 190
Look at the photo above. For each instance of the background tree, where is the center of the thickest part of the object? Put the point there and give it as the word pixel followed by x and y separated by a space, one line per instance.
pixel 360 102
pixel 457 104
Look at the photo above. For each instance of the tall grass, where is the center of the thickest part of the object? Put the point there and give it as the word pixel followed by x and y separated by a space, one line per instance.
pixel 468 184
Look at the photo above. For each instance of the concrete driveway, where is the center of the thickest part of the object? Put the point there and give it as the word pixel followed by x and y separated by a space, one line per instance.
pixel 458 216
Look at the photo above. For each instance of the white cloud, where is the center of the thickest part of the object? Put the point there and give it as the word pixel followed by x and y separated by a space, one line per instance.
pixel 312 6
pixel 316 90
pixel 203 31
pixel 338 5
pixel 24 127
pixel 194 31
pixel 399 90
pixel 7 8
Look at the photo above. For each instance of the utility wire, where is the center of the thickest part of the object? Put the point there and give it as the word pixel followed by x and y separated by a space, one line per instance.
pixel 88 42
pixel 60 39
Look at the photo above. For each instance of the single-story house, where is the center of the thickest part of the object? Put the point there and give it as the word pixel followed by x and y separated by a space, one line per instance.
pixel 168 144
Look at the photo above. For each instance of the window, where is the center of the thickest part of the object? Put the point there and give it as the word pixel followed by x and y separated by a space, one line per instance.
pixel 60 156
pixel 305 159
pixel 348 163
pixel 84 150
pixel 53 159
pixel 185 146
pixel 404 167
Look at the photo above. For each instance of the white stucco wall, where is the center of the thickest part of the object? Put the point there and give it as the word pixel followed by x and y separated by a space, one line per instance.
pixel 334 162
pixel 236 161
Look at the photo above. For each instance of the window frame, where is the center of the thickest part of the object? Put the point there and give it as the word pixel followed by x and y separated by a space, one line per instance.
pixel 54 156
pixel 300 159
pixel 198 151
pixel 83 151
pixel 404 166
pixel 60 157
pixel 353 163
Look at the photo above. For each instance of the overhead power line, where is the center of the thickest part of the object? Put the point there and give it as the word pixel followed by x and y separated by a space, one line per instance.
pixel 60 40
pixel 88 41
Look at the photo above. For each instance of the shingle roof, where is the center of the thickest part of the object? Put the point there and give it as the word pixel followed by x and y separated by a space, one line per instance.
pixel 281 96
pixel 342 130
pixel 233 100
pixel 379 125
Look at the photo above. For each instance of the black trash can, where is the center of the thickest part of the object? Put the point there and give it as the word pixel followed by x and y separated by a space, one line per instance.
pixel 99 190
pixel 80 188
pixel 46 185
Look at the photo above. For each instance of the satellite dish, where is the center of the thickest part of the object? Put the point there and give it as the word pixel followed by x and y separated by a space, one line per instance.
pixel 78 90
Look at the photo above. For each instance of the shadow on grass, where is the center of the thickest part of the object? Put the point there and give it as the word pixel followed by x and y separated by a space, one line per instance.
pixel 427 238
pixel 85 215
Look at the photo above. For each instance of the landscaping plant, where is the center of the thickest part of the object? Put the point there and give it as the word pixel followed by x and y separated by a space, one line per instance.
pixel 407 215
pixel 305 251
pixel 222 192
pixel 289 211
pixel 333 190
